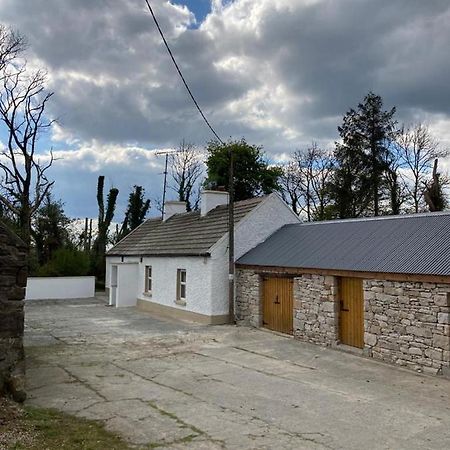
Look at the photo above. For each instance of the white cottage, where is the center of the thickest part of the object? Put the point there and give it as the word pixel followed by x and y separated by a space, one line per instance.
pixel 179 265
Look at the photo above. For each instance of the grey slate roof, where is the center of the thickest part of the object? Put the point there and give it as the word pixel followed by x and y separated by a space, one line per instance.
pixel 186 234
pixel 410 244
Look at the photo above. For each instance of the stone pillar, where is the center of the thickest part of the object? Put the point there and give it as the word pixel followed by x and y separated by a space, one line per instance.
pixel 13 278
pixel 248 298
pixel 316 309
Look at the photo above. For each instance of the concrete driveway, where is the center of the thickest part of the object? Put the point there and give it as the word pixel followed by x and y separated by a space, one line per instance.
pixel 184 386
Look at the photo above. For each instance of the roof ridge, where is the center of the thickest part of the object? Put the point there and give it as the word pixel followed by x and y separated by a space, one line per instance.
pixel 377 218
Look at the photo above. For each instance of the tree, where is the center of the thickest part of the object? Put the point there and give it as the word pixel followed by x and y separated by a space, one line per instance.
pixel 417 150
pixel 104 221
pixel 186 170
pixel 434 191
pixel 136 211
pixel 367 134
pixel 290 183
pixel 252 174
pixel 50 230
pixel 305 181
pixel 23 99
pixel 12 44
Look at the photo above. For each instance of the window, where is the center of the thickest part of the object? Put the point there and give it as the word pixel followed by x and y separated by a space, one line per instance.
pixel 181 285
pixel 148 279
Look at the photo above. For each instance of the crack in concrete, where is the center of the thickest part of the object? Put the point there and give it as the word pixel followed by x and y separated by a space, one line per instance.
pixel 235 411
pixel 274 358
pixel 82 382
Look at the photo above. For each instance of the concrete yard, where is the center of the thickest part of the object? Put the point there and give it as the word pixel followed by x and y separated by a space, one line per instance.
pixel 178 385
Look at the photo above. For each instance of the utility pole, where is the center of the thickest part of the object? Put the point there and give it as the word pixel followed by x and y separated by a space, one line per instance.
pixel 167 153
pixel 231 236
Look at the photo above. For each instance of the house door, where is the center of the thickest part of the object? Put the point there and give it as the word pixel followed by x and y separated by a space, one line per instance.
pixel 278 304
pixel 351 317
pixel 113 286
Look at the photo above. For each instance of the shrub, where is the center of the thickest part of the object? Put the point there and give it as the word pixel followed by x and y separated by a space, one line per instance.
pixel 66 262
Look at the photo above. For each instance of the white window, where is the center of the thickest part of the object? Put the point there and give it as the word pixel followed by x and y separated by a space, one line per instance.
pixel 148 280
pixel 181 285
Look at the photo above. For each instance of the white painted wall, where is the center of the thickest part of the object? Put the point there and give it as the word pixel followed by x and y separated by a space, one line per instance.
pixel 207 278
pixel 268 217
pixel 164 282
pixel 40 288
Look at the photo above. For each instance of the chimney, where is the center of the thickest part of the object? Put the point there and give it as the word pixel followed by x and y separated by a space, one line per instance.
pixel 173 207
pixel 210 199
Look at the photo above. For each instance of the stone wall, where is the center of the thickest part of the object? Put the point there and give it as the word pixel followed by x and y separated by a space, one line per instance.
pixel 248 298
pixel 315 309
pixel 12 292
pixel 408 323
pixel 405 323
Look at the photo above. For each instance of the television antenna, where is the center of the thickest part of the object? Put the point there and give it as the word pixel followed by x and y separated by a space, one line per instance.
pixel 166 153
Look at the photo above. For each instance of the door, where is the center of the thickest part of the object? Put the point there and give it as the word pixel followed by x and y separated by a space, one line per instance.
pixel 351 317
pixel 113 287
pixel 278 304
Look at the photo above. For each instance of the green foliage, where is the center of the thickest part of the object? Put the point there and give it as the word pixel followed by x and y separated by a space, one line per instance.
pixel 252 174
pixel 136 211
pixel 50 229
pixel 66 262
pixel 434 191
pixel 363 158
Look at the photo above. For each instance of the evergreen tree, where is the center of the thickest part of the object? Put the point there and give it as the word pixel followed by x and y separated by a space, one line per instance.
pixel 50 229
pixel 104 222
pixel 434 191
pixel 136 211
pixel 359 180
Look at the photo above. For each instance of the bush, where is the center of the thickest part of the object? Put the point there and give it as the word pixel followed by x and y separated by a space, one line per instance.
pixel 66 262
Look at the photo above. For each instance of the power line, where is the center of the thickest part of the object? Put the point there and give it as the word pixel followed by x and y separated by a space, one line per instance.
pixel 179 72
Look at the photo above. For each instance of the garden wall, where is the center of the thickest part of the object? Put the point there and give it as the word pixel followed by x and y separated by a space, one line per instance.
pixel 42 288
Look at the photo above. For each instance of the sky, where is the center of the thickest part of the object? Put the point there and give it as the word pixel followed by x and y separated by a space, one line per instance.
pixel 280 73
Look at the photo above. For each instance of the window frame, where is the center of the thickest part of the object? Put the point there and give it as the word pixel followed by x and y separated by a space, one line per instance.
pixel 180 284
pixel 148 280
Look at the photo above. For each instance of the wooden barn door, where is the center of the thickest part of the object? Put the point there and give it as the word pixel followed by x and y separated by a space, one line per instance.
pixel 278 304
pixel 351 318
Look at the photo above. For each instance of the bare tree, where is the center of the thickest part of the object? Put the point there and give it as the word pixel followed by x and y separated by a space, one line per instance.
pixel 316 167
pixel 418 149
pixel 186 170
pixel 305 181
pixel 12 44
pixel 323 166
pixel 24 184
pixel 290 182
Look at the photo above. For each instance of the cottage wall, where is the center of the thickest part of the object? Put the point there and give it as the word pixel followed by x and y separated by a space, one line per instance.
pixel 13 277
pixel 406 323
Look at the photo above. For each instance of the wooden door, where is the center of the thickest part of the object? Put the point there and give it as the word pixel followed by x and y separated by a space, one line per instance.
pixel 278 304
pixel 351 317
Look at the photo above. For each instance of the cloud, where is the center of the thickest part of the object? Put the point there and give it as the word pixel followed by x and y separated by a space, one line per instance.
pixel 279 72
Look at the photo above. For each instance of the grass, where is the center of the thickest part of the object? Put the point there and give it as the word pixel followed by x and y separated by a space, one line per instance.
pixel 40 429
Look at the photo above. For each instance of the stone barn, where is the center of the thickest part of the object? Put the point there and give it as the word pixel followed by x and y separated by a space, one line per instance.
pixel 13 277
pixel 377 286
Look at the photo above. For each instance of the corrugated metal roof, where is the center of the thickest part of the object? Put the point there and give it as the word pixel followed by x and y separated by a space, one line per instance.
pixel 182 234
pixel 409 244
